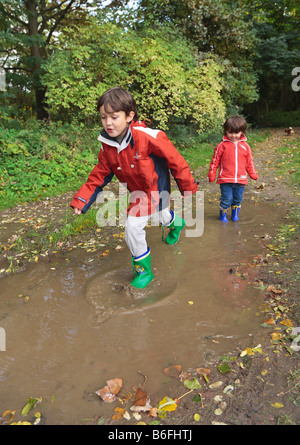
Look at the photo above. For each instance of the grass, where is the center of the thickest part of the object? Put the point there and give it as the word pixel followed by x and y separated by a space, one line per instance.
pixel 289 165
pixel 39 161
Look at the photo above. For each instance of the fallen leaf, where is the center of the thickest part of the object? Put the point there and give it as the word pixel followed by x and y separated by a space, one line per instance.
pixel 216 385
pixel 192 384
pixel 108 392
pixel 272 288
pixel 270 321
pixel 277 405
pixel 140 398
pixel 142 408
pixel 223 368
pixel 32 401
pixel 119 413
pixel 276 336
pixel 153 412
pixel 126 415
pixel 7 416
pixel 228 390
pixel 204 372
pixel 173 371
pixel 137 416
pixel 167 404
pixel 197 417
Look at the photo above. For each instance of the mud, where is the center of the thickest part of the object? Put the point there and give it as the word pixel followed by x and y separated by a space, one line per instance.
pixel 73 323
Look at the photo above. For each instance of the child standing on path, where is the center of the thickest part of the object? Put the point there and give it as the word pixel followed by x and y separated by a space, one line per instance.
pixel 142 158
pixel 234 157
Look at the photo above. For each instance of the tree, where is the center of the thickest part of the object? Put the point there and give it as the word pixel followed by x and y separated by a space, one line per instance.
pixel 277 52
pixel 217 27
pixel 27 27
pixel 160 67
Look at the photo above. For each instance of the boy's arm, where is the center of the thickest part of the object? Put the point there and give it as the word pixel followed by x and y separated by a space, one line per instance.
pixel 215 162
pixel 250 169
pixel 163 148
pixel 99 177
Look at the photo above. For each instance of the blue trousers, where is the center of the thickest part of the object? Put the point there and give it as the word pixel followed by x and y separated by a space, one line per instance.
pixel 231 194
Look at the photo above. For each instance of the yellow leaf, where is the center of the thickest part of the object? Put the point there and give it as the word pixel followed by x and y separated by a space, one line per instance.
pixel 167 404
pixel 247 351
pixel 119 412
pixel 264 372
pixel 9 413
pixel 197 417
pixel 276 336
pixel 287 322
pixel 277 405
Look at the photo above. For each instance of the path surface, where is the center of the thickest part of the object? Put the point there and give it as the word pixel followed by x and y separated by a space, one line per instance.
pixel 265 380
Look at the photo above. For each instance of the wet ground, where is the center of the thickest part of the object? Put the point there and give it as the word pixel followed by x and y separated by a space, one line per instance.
pixel 72 321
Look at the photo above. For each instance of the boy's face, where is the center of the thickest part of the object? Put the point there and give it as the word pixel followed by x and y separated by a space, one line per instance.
pixel 234 137
pixel 115 123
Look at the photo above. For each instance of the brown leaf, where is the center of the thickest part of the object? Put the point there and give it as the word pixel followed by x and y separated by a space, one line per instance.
pixel 119 412
pixel 270 321
pixel 140 398
pixel 272 288
pixel 108 392
pixel 173 371
pixel 205 372
pixel 114 385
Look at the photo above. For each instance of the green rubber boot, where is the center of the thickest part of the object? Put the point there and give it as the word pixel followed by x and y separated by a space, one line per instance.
pixel 176 225
pixel 142 270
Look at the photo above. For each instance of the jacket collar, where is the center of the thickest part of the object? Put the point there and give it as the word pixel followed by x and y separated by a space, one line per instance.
pixel 242 139
pixel 113 142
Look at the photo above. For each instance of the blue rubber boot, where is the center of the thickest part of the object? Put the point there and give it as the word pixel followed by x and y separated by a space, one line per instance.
pixel 223 215
pixel 142 270
pixel 235 210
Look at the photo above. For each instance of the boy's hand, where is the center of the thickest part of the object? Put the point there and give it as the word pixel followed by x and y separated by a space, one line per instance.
pixel 77 211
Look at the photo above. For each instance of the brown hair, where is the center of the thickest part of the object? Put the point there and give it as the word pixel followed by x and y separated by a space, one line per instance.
pixel 118 99
pixel 235 124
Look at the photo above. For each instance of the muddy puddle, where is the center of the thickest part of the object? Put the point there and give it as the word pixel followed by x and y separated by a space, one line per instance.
pixel 73 323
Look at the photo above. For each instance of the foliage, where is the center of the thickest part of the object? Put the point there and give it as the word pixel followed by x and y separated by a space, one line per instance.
pixel 221 28
pixel 277 51
pixel 243 52
pixel 26 29
pixel 160 69
pixel 279 118
pixel 53 156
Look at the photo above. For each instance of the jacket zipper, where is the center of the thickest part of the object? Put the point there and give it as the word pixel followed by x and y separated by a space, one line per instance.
pixel 236 162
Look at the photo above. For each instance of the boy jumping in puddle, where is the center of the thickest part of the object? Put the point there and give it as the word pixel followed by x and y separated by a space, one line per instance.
pixel 142 158
pixel 234 157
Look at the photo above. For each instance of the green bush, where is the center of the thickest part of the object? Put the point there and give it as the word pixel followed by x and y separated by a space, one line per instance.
pixel 279 118
pixel 44 159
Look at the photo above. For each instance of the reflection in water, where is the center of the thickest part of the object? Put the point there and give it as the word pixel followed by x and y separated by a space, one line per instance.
pixel 83 324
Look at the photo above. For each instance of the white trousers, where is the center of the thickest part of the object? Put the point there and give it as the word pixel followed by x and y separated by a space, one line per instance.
pixel 135 234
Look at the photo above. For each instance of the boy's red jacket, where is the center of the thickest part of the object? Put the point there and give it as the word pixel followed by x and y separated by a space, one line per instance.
pixel 235 161
pixel 143 163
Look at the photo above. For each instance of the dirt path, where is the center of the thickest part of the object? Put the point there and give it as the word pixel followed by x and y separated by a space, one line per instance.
pixel 261 382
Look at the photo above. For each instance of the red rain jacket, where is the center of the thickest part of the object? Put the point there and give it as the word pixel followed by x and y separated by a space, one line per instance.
pixel 142 162
pixel 235 160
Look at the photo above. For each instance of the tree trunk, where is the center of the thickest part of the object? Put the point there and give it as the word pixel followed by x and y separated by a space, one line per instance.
pixel 40 91
pixel 42 113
